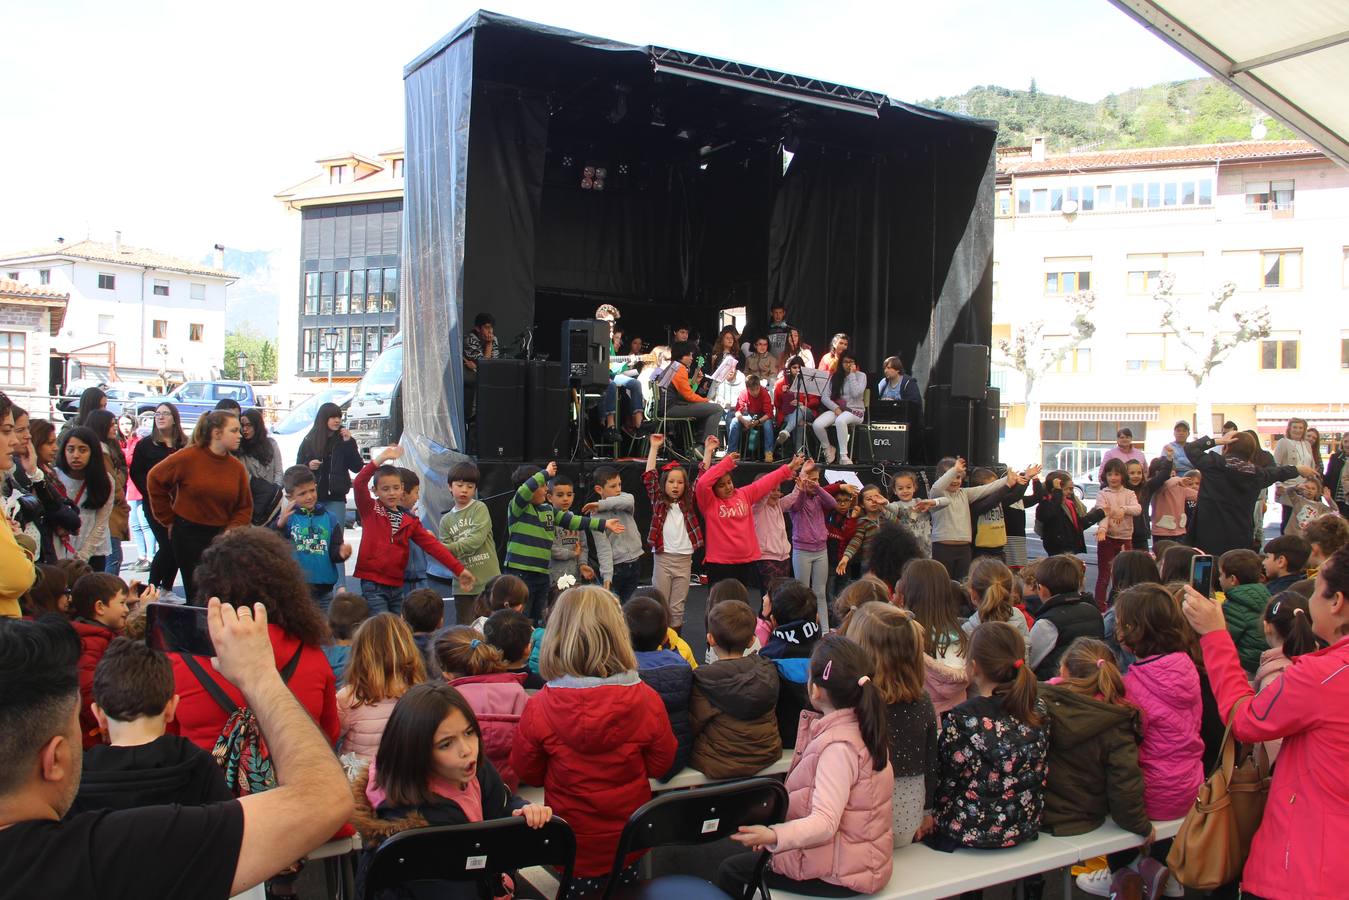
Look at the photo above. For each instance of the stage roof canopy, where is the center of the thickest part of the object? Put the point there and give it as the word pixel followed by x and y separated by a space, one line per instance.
pixel 1290 57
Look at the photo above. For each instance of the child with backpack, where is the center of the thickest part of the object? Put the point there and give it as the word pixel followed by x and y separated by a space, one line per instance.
pixel 432 769
pixel 994 749
pixel 478 671
pixel 893 642
pixel 595 733
pixel 842 764
pixel 385 663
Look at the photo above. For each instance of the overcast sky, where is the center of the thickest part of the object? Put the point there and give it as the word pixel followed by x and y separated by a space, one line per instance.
pixel 176 122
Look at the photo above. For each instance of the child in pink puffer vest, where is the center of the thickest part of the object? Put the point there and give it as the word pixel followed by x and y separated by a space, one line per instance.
pixel 840 786
pixel 476 669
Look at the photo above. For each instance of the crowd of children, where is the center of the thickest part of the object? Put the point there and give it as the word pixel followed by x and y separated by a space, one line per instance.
pixel 968 697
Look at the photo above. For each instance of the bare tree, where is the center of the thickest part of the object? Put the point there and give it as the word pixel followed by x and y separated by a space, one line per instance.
pixel 1208 335
pixel 1030 354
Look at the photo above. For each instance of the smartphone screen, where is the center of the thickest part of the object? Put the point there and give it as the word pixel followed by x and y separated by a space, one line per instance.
pixel 1201 574
pixel 178 629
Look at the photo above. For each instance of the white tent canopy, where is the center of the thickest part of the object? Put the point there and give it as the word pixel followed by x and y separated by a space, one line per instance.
pixel 1289 57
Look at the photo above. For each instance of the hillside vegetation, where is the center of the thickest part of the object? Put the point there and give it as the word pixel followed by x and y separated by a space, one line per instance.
pixel 1199 111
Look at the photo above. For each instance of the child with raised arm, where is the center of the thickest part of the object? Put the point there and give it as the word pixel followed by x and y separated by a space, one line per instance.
pixel 676 534
pixel 952 528
pixel 625 546
pixel 1115 533
pixel 873 510
pixel 732 544
pixel 387 531
pixel 912 511
pixel 808 507
pixel 530 525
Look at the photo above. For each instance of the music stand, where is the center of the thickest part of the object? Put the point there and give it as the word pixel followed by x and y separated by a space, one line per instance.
pixel 810 383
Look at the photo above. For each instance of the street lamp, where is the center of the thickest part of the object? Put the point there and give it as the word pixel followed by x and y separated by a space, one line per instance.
pixel 241 365
pixel 330 342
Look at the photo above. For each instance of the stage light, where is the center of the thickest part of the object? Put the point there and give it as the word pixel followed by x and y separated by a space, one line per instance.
pixel 567 162
pixel 622 168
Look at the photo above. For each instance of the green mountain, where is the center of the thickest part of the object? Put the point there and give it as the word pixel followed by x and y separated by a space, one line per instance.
pixel 1199 111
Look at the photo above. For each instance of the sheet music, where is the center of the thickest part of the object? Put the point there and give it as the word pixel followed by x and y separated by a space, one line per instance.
pixel 813 383
pixel 728 365
pixel 667 374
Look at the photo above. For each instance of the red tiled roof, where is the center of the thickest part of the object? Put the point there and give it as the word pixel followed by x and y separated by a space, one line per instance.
pixel 1156 156
pixel 125 255
pixel 17 290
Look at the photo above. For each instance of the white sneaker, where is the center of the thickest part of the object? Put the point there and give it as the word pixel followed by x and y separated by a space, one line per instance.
pixel 829 455
pixel 845 460
pixel 1096 882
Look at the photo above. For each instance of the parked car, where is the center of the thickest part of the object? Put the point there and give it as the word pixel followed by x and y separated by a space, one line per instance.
pixel 375 416
pixel 196 397
pixel 121 399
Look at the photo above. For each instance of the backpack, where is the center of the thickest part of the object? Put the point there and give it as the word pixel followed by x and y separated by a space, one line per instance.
pixel 240 751
pixel 267 497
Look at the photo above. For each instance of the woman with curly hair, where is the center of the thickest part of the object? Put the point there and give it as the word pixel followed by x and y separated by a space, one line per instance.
pixel 246 566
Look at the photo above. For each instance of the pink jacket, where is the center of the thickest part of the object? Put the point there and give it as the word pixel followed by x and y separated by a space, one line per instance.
pixel 361 727
pixel 497 701
pixel 1297 852
pixel 946 684
pixel 731 538
pixel 838 826
pixel 1168 507
pixel 1272 664
pixel 1114 500
pixel 770 528
pixel 1166 689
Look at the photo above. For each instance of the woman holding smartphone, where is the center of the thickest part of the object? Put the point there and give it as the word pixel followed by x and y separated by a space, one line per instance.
pixel 331 453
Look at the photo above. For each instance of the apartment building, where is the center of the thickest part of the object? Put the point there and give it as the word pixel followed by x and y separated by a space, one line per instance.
pixel 1271 217
pixel 340 269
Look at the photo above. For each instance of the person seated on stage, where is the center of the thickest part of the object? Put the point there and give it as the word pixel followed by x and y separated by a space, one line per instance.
pixel 480 343
pixel 753 409
pixel 679 401
pixel 896 385
pixel 777 330
pixel 726 394
pixel 621 377
pixel 838 346
pixel 795 350
pixel 762 362
pixel 795 408
pixel 844 398
pixel 727 344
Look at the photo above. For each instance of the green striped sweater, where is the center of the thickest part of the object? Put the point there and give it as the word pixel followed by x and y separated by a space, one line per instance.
pixel 529 528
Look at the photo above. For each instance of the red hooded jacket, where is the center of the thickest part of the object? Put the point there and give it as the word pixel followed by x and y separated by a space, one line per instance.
pixel 94 640
pixel 593 743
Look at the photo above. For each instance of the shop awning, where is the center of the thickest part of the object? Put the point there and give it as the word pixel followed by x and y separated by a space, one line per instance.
pixel 1290 58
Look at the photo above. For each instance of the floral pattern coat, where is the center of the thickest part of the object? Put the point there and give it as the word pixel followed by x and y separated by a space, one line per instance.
pixel 993 767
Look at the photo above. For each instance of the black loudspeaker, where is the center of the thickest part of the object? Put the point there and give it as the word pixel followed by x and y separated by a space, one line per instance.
pixel 986 416
pixel 585 352
pixel 547 411
pixel 890 441
pixel 969 371
pixel 946 424
pixel 501 420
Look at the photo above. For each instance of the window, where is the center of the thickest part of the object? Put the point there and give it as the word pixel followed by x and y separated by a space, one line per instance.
pixel 1065 275
pixel 311 293
pixel 1103 196
pixel 1154 194
pixel 1136 196
pixel 373 281
pixel 1205 192
pixel 1262 196
pixel 309 345
pixel 357 350
pixel 397 168
pixel 1282 268
pixel 161 288
pixel 1040 200
pixel 14 276
pixel 390 290
pixel 13 365
pixel 337 174
pixel 1344 352
pixel 159 329
pixel 1074 362
pixel 44 276
pixel 194 390
pixel 1145 270
pixel 1004 203
pixel 1023 200
pixel 198 291
pixel 1279 352
pixel 105 325
pixel 107 282
pixel 1169 193
pixel 357 291
pixel 1144 352
pixel 1056 199
pixel 194 331
pixel 326 282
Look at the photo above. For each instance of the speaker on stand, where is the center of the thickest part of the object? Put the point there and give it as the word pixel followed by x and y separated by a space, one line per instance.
pixel 547 411
pixel 986 429
pixel 969 382
pixel 501 427
pixel 585 353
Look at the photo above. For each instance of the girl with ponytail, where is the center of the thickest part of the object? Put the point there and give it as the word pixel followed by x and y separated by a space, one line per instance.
pixel 1093 749
pixel 838 828
pixel 1288 630
pixel 992 590
pixel 477 670
pixel 994 749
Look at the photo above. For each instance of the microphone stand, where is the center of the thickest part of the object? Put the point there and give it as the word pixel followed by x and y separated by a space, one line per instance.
pixel 799 438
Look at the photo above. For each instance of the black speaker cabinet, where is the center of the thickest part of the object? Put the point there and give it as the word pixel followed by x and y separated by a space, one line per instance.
pixel 585 352
pixel 890 441
pixel 946 425
pixel 501 420
pixel 986 417
pixel 547 411
pixel 969 371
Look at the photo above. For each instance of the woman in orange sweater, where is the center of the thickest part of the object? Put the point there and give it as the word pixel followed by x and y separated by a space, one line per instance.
pixel 200 491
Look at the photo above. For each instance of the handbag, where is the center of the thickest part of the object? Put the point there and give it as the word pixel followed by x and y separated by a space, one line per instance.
pixel 1214 840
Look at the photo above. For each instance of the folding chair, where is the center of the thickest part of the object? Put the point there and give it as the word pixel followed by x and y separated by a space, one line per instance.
pixel 467 852
pixel 695 816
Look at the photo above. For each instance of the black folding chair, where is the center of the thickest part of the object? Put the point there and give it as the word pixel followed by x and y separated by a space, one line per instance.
pixel 696 816
pixel 467 852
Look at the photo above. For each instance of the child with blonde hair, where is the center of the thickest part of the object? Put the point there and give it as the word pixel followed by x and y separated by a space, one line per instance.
pixel 595 733
pixel 384 662
pixel 477 670
pixel 992 590
pixel 893 640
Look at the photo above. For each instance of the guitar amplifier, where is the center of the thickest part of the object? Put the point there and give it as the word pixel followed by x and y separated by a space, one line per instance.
pixel 889 441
